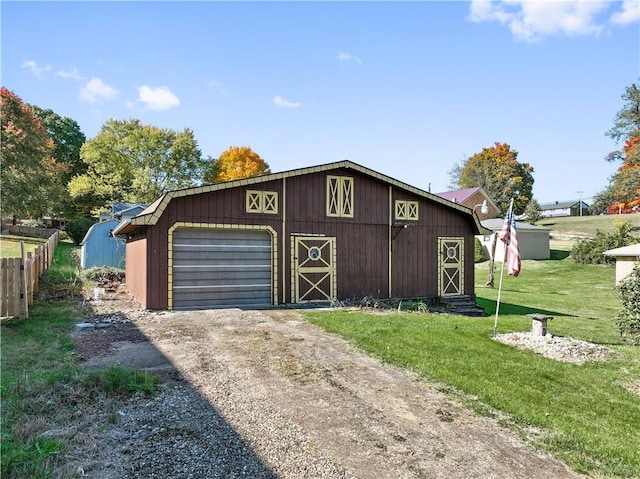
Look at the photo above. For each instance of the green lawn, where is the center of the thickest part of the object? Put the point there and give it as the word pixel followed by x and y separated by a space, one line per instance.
pixel 587 415
pixel 10 245
pixel 588 225
pixel 42 386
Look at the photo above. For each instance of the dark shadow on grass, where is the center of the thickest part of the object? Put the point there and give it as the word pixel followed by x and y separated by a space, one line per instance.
pixel 516 309
pixel 558 254
pixel 190 426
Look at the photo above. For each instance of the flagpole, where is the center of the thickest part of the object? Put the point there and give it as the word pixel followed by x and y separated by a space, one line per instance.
pixel 495 323
pixel 504 260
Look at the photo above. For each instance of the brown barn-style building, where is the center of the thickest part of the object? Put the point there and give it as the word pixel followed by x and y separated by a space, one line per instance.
pixel 331 232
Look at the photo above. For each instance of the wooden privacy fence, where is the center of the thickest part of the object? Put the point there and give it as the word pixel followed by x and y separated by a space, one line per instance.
pixel 20 277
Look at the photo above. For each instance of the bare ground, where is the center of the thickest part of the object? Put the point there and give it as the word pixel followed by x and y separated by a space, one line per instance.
pixel 266 394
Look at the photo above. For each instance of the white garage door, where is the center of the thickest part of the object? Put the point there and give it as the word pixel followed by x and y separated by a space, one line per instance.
pixel 221 268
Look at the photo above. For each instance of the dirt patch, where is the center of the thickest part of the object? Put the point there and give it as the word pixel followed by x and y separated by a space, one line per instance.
pixel 266 394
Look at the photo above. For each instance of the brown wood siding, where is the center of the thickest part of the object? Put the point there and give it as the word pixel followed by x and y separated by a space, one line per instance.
pixel 136 270
pixel 220 207
pixel 362 246
pixel 361 241
pixel 415 255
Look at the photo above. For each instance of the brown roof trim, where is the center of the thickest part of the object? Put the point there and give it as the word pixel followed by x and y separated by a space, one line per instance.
pixel 151 215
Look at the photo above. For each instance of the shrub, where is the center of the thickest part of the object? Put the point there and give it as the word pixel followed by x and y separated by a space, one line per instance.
pixel 627 320
pixel 589 251
pixel 478 252
pixel 77 228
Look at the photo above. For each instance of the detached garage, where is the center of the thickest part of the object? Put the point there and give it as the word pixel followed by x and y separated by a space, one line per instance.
pixel 338 231
pixel 214 267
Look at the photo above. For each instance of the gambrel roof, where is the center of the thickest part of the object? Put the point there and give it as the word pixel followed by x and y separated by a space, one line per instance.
pixel 153 212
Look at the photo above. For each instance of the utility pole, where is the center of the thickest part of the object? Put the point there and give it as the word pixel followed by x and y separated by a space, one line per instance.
pixel 580 193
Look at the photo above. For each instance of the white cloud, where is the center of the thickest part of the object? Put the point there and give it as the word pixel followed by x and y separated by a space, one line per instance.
pixel 348 57
pixel 96 90
pixel 219 87
pixel 282 103
pixel 530 21
pixel 72 74
pixel 629 13
pixel 157 99
pixel 34 68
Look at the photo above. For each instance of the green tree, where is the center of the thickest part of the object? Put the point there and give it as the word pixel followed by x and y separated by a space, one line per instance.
pixel 623 191
pixel 77 229
pixel 129 161
pixel 498 171
pixel 67 140
pixel 627 121
pixel 236 163
pixel 30 175
pixel 532 212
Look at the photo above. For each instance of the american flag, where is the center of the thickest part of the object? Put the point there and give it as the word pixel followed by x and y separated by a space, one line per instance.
pixel 510 239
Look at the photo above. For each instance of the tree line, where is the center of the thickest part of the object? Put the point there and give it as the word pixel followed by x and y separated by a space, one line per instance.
pixel 49 167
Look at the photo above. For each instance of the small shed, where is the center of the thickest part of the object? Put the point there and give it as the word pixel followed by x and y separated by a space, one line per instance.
pixel 533 241
pixel 101 248
pixel 332 232
pixel 627 258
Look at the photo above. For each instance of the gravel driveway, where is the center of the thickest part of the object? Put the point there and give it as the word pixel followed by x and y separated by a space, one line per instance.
pixel 264 394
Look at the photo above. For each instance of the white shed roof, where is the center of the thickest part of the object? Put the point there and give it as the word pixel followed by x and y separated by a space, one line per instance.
pixel 631 250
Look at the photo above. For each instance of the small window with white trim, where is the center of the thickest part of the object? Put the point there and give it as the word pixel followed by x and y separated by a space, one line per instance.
pixel 407 210
pixel 262 202
pixel 340 196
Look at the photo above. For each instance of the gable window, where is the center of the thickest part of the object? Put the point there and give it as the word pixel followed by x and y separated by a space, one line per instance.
pixel 262 202
pixel 340 196
pixel 407 210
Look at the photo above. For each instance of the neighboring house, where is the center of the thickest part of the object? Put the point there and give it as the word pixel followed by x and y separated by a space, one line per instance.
pixel 473 198
pixel 118 209
pixel 130 212
pixel 627 258
pixel 533 241
pixel 337 231
pixel 100 248
pixel 564 208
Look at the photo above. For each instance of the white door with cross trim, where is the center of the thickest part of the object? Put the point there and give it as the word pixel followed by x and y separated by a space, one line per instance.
pixel 451 266
pixel 313 268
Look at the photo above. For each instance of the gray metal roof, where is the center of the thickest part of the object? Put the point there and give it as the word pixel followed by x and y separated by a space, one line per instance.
pixel 495 224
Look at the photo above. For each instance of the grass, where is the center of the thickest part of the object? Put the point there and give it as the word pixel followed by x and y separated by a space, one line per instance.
pixel 588 225
pixel 585 415
pixel 10 245
pixel 42 386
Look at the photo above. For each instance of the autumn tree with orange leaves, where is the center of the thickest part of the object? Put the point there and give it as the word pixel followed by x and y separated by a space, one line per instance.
pixel 31 178
pixel 498 171
pixel 236 163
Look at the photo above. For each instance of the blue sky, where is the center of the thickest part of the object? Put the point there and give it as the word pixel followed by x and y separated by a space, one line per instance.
pixel 408 89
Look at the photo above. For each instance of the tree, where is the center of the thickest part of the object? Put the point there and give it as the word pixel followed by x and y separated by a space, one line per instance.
pixel 623 191
pixel 533 212
pixel 627 120
pixel 67 140
pixel 236 163
pixel 77 229
pixel 497 170
pixel 129 161
pixel 30 175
